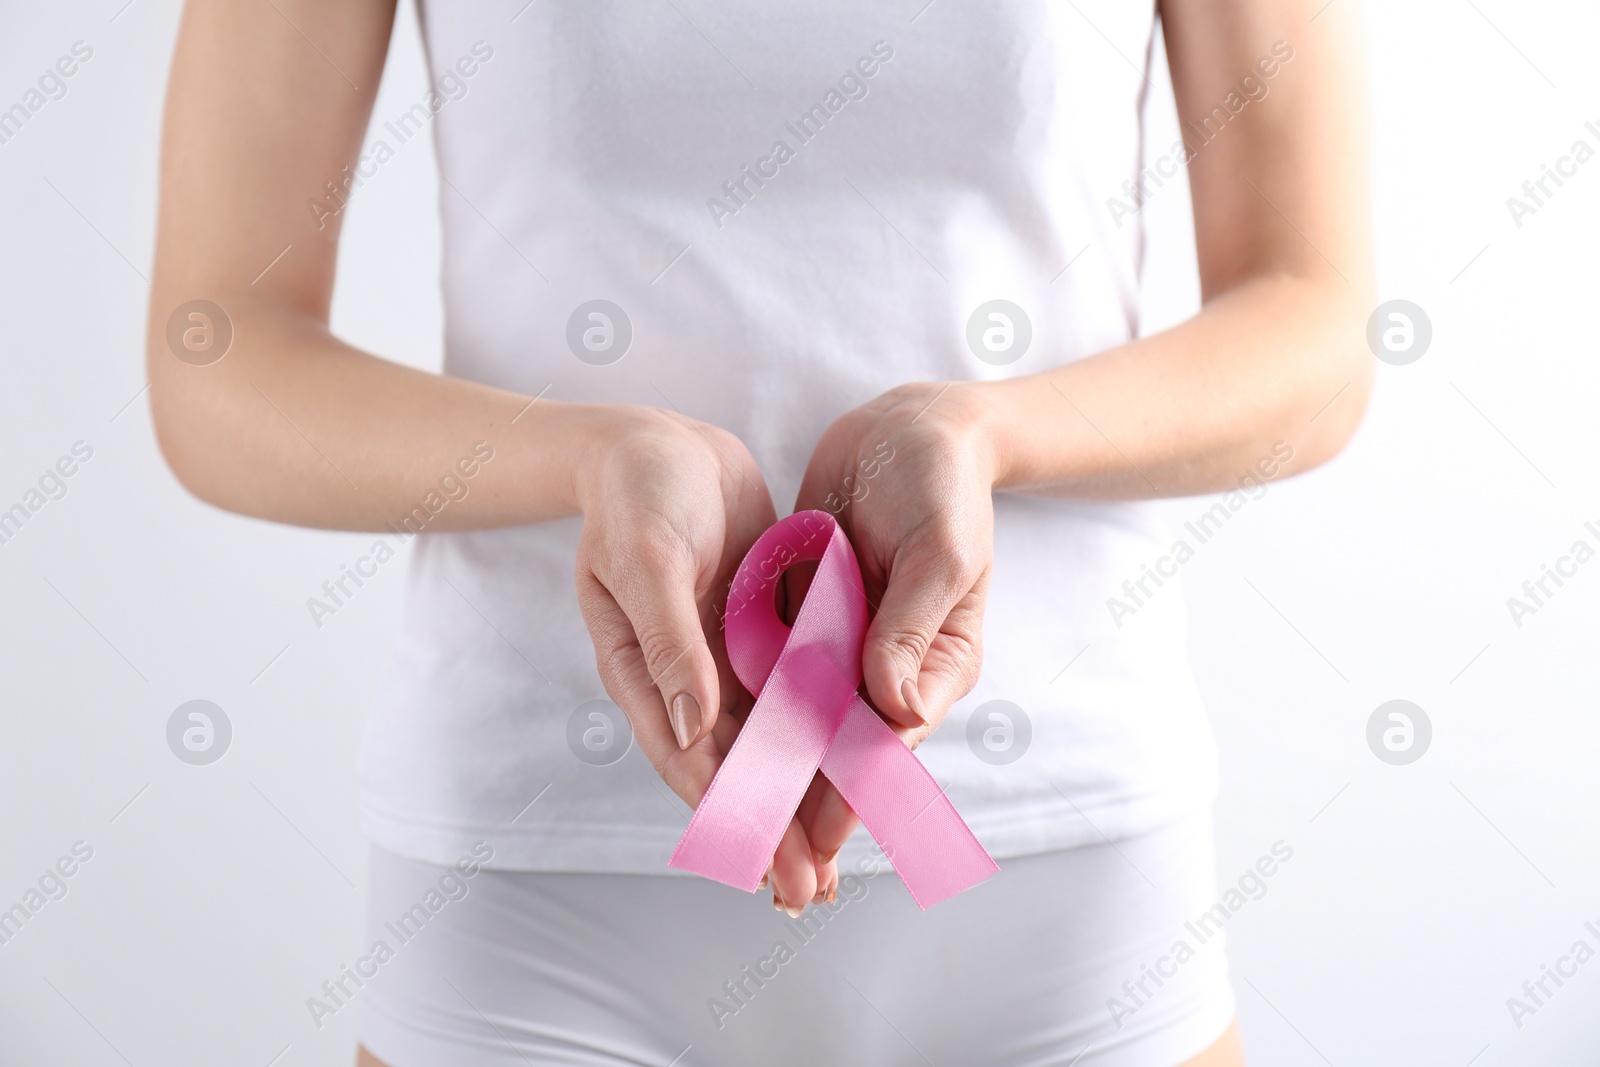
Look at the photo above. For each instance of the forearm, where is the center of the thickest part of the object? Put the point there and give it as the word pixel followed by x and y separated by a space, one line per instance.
pixel 296 426
pixel 292 424
pixel 1277 361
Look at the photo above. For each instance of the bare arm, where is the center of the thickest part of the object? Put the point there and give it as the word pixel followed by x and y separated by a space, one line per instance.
pixel 1275 355
pixel 263 108
pixel 267 102
pixel 1281 229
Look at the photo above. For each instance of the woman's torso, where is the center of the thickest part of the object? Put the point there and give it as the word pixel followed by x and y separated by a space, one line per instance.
pixel 786 212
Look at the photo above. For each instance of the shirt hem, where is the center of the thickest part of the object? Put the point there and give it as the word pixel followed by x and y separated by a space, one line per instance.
pixel 644 850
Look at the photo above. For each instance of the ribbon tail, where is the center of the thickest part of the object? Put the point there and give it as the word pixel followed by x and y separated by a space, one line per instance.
pixel 741 819
pixel 932 848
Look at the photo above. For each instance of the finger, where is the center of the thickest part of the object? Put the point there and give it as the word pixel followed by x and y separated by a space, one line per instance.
pixel 621 662
pixel 750 516
pixel 953 662
pixel 658 597
pixel 828 824
pixel 732 695
pixel 923 586
pixel 831 822
pixel 827 882
pixel 793 875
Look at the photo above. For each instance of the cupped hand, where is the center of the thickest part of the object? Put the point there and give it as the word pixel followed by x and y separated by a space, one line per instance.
pixel 670 506
pixel 910 477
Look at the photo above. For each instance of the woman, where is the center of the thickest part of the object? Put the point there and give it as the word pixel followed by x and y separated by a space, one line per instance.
pixel 878 261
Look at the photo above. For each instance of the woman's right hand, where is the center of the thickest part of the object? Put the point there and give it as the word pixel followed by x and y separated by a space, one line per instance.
pixel 670 507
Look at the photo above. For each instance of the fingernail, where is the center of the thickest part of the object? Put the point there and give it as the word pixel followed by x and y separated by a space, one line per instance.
pixel 913 699
pixel 685 716
pixel 782 905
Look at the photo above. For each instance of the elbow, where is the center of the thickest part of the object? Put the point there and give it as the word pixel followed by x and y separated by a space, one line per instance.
pixel 184 433
pixel 1339 388
pixel 175 437
pixel 1338 422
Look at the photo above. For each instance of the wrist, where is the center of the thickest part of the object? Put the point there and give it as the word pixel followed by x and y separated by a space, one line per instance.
pixel 608 441
pixel 986 429
pixel 588 437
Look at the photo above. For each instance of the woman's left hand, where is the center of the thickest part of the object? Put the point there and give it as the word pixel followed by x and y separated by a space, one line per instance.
pixel 910 477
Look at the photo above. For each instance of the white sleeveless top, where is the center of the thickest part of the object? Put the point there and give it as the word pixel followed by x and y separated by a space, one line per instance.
pixel 789 210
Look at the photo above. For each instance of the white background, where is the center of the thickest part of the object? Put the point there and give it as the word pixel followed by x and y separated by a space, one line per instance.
pixel 1419 897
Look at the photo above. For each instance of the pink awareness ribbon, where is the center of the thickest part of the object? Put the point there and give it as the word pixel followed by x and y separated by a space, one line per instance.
pixel 808 715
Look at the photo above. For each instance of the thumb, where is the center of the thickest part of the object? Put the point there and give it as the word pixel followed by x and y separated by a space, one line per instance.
pixel 661 608
pixel 922 589
pixel 652 655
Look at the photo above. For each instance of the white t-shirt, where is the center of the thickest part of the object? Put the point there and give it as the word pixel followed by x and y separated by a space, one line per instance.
pixel 795 209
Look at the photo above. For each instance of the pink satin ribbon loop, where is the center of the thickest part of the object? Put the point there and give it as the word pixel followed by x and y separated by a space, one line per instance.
pixel 808 716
